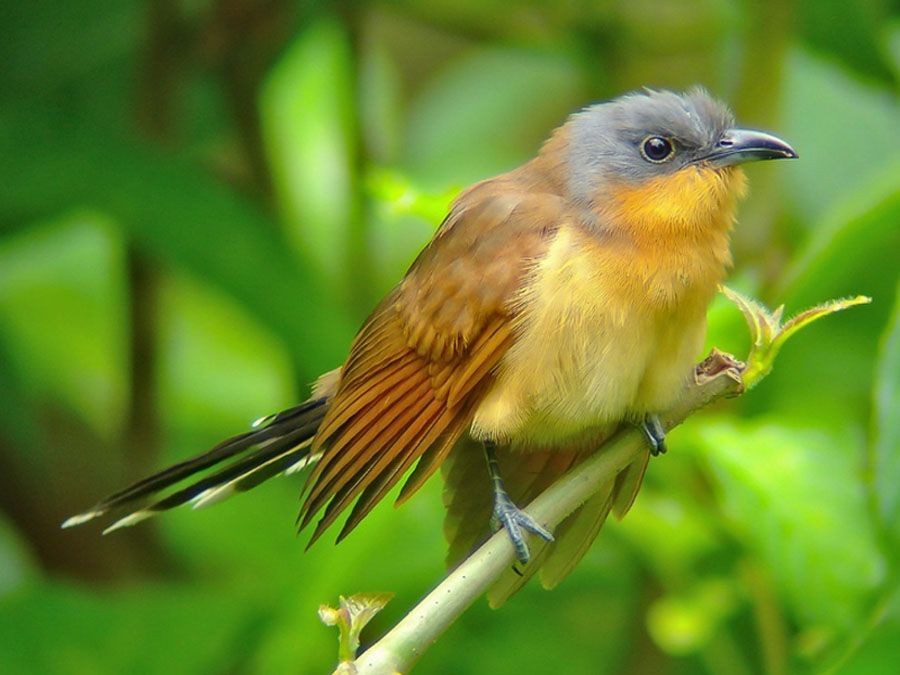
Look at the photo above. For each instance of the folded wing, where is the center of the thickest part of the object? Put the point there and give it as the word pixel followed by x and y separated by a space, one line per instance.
pixel 427 355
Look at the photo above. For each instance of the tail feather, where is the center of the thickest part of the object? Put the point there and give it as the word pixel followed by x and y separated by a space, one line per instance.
pixel 266 458
pixel 280 443
pixel 291 461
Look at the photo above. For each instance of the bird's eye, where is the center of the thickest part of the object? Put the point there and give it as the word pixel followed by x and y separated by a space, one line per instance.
pixel 657 149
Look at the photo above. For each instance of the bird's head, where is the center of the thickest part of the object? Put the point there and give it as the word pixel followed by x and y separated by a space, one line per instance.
pixel 662 158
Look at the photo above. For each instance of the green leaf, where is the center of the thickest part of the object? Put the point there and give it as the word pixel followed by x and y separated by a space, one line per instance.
pixel 686 622
pixel 480 116
pixel 19 418
pixel 56 629
pixel 853 32
pixel 885 444
pixel 401 196
pixel 877 650
pixel 404 217
pixel 852 245
pixel 17 566
pixel 833 119
pixel 354 613
pixel 47 45
pixel 661 510
pixel 307 114
pixel 587 624
pixel 381 101
pixel 176 213
pixel 67 278
pixel 218 368
pixel 852 251
pixel 768 334
pixel 796 498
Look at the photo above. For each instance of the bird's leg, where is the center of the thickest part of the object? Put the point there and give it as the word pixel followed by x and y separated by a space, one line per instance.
pixel 656 435
pixel 507 514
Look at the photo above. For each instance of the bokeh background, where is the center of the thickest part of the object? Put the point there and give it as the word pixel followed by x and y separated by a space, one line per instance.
pixel 200 200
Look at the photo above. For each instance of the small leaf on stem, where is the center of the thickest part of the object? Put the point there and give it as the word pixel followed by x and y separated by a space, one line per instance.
pixel 768 334
pixel 350 618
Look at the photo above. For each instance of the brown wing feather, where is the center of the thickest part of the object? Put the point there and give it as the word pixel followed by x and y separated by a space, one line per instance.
pixel 387 478
pixel 355 450
pixel 384 382
pixel 381 471
pixel 422 361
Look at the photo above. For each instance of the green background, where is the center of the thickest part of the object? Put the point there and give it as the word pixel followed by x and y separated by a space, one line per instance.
pixel 200 201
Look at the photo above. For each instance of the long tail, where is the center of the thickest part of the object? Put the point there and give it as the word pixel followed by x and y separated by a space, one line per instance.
pixel 277 444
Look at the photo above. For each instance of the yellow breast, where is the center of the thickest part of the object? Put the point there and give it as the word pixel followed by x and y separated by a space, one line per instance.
pixel 608 326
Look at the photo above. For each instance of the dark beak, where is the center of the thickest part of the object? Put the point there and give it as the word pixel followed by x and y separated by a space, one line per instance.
pixel 745 145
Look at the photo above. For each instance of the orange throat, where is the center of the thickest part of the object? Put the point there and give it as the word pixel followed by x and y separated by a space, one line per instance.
pixel 693 202
pixel 678 225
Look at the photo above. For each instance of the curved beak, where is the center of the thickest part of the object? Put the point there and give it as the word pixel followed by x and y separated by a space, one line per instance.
pixel 746 145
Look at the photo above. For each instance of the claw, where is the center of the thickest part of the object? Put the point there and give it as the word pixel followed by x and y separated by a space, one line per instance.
pixel 656 435
pixel 514 520
pixel 509 516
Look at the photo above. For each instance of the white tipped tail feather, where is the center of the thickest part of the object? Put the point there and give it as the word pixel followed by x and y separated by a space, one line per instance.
pixel 276 444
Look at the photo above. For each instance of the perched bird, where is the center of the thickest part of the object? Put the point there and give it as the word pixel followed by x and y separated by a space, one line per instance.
pixel 554 303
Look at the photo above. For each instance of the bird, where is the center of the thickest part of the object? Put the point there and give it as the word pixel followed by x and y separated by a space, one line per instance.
pixel 555 303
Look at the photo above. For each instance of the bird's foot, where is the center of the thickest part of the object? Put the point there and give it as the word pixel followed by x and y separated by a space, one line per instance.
pixel 509 516
pixel 656 435
pixel 516 522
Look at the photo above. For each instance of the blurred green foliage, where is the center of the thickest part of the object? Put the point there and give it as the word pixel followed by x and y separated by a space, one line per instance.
pixel 200 201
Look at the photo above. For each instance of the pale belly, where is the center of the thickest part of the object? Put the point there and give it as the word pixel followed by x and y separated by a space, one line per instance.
pixel 585 358
pixel 555 387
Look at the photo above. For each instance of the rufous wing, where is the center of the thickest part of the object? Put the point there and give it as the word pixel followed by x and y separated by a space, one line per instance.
pixel 423 360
